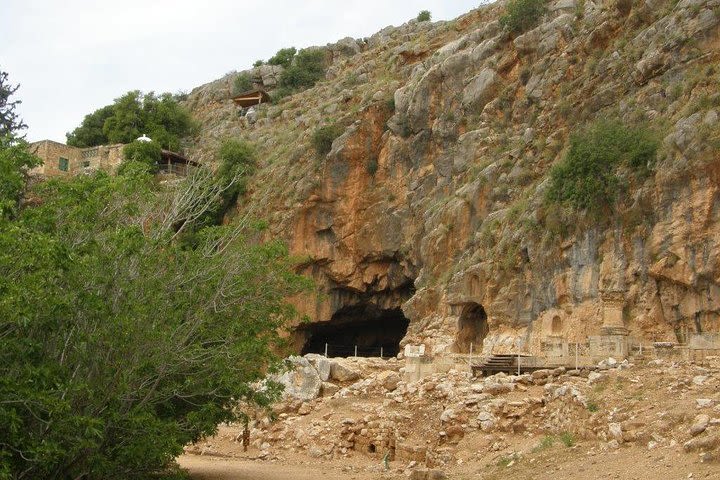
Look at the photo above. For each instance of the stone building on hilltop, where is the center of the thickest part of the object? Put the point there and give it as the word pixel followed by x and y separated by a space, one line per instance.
pixel 64 160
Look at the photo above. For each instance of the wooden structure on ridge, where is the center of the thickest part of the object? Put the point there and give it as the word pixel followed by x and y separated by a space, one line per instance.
pixel 251 98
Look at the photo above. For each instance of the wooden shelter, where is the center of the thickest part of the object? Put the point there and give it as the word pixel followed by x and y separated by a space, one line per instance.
pixel 172 163
pixel 250 98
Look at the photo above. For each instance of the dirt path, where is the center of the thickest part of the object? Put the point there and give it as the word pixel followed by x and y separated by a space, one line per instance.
pixel 214 468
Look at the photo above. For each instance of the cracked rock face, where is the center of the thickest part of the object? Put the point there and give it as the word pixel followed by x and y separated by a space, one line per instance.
pixel 433 197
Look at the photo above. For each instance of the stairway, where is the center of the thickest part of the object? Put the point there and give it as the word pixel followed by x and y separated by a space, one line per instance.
pixel 502 362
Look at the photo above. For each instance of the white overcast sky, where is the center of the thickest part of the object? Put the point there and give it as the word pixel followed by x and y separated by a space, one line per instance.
pixel 73 56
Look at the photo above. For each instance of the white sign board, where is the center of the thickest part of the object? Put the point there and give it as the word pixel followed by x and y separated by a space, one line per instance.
pixel 414 350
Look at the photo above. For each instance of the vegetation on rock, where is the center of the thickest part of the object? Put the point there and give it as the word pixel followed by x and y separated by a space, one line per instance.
pixel 589 177
pixel 159 116
pixel 324 136
pixel 424 16
pixel 522 15
pixel 283 57
pixel 242 83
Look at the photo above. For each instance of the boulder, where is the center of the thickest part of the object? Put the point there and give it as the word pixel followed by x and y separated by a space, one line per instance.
pixel 321 364
pixel 342 373
pixel 329 389
pixel 481 89
pixel 389 380
pixel 301 381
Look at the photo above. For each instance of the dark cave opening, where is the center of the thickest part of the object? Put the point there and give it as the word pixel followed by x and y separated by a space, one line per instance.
pixel 472 328
pixel 365 328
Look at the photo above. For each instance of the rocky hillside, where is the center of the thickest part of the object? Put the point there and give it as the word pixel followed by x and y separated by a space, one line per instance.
pixel 434 197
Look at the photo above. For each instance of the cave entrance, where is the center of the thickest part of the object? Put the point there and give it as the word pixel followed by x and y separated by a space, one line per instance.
pixel 370 329
pixel 472 328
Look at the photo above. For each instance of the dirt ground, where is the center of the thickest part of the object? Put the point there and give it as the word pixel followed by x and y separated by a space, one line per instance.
pixel 214 468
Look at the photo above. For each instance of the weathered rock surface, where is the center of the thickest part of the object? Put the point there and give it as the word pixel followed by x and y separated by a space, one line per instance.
pixel 433 198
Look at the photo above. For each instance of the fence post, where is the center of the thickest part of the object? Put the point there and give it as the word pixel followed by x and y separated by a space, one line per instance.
pixel 381 353
pixel 576 355
pixel 326 351
pixel 356 350
pixel 471 352
pixel 518 361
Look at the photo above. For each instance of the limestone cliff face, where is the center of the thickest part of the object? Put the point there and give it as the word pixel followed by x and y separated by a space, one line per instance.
pixel 432 199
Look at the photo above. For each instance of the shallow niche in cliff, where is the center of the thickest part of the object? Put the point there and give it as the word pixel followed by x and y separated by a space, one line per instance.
pixel 472 328
pixel 373 331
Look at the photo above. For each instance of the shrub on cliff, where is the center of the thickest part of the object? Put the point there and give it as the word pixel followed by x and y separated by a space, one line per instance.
pixel 522 15
pixel 242 83
pixel 600 156
pixel 424 16
pixel 306 69
pixel 324 136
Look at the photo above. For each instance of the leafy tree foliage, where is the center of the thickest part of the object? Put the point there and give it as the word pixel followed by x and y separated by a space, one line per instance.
pixel 15 160
pixel 10 122
pixel 591 174
pixel 132 115
pixel 121 344
pixel 283 57
pixel 424 16
pixel 146 153
pixel 522 15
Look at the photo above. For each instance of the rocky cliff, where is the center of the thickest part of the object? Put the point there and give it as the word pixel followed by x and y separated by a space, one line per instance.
pixel 432 200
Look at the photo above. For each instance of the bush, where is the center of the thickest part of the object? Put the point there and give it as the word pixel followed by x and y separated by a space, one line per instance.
pixel 324 136
pixel 283 57
pixel 588 178
pixel 424 16
pixel 522 15
pixel 258 63
pixel 307 68
pixel 242 83
pixel 147 153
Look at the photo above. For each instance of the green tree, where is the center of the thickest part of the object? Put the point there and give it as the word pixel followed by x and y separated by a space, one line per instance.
pixel 15 160
pixel 10 122
pixel 283 57
pixel 148 154
pixel 90 132
pixel 132 115
pixel 120 345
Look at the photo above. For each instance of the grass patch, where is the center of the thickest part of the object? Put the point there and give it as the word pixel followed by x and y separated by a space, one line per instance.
pixel 567 439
